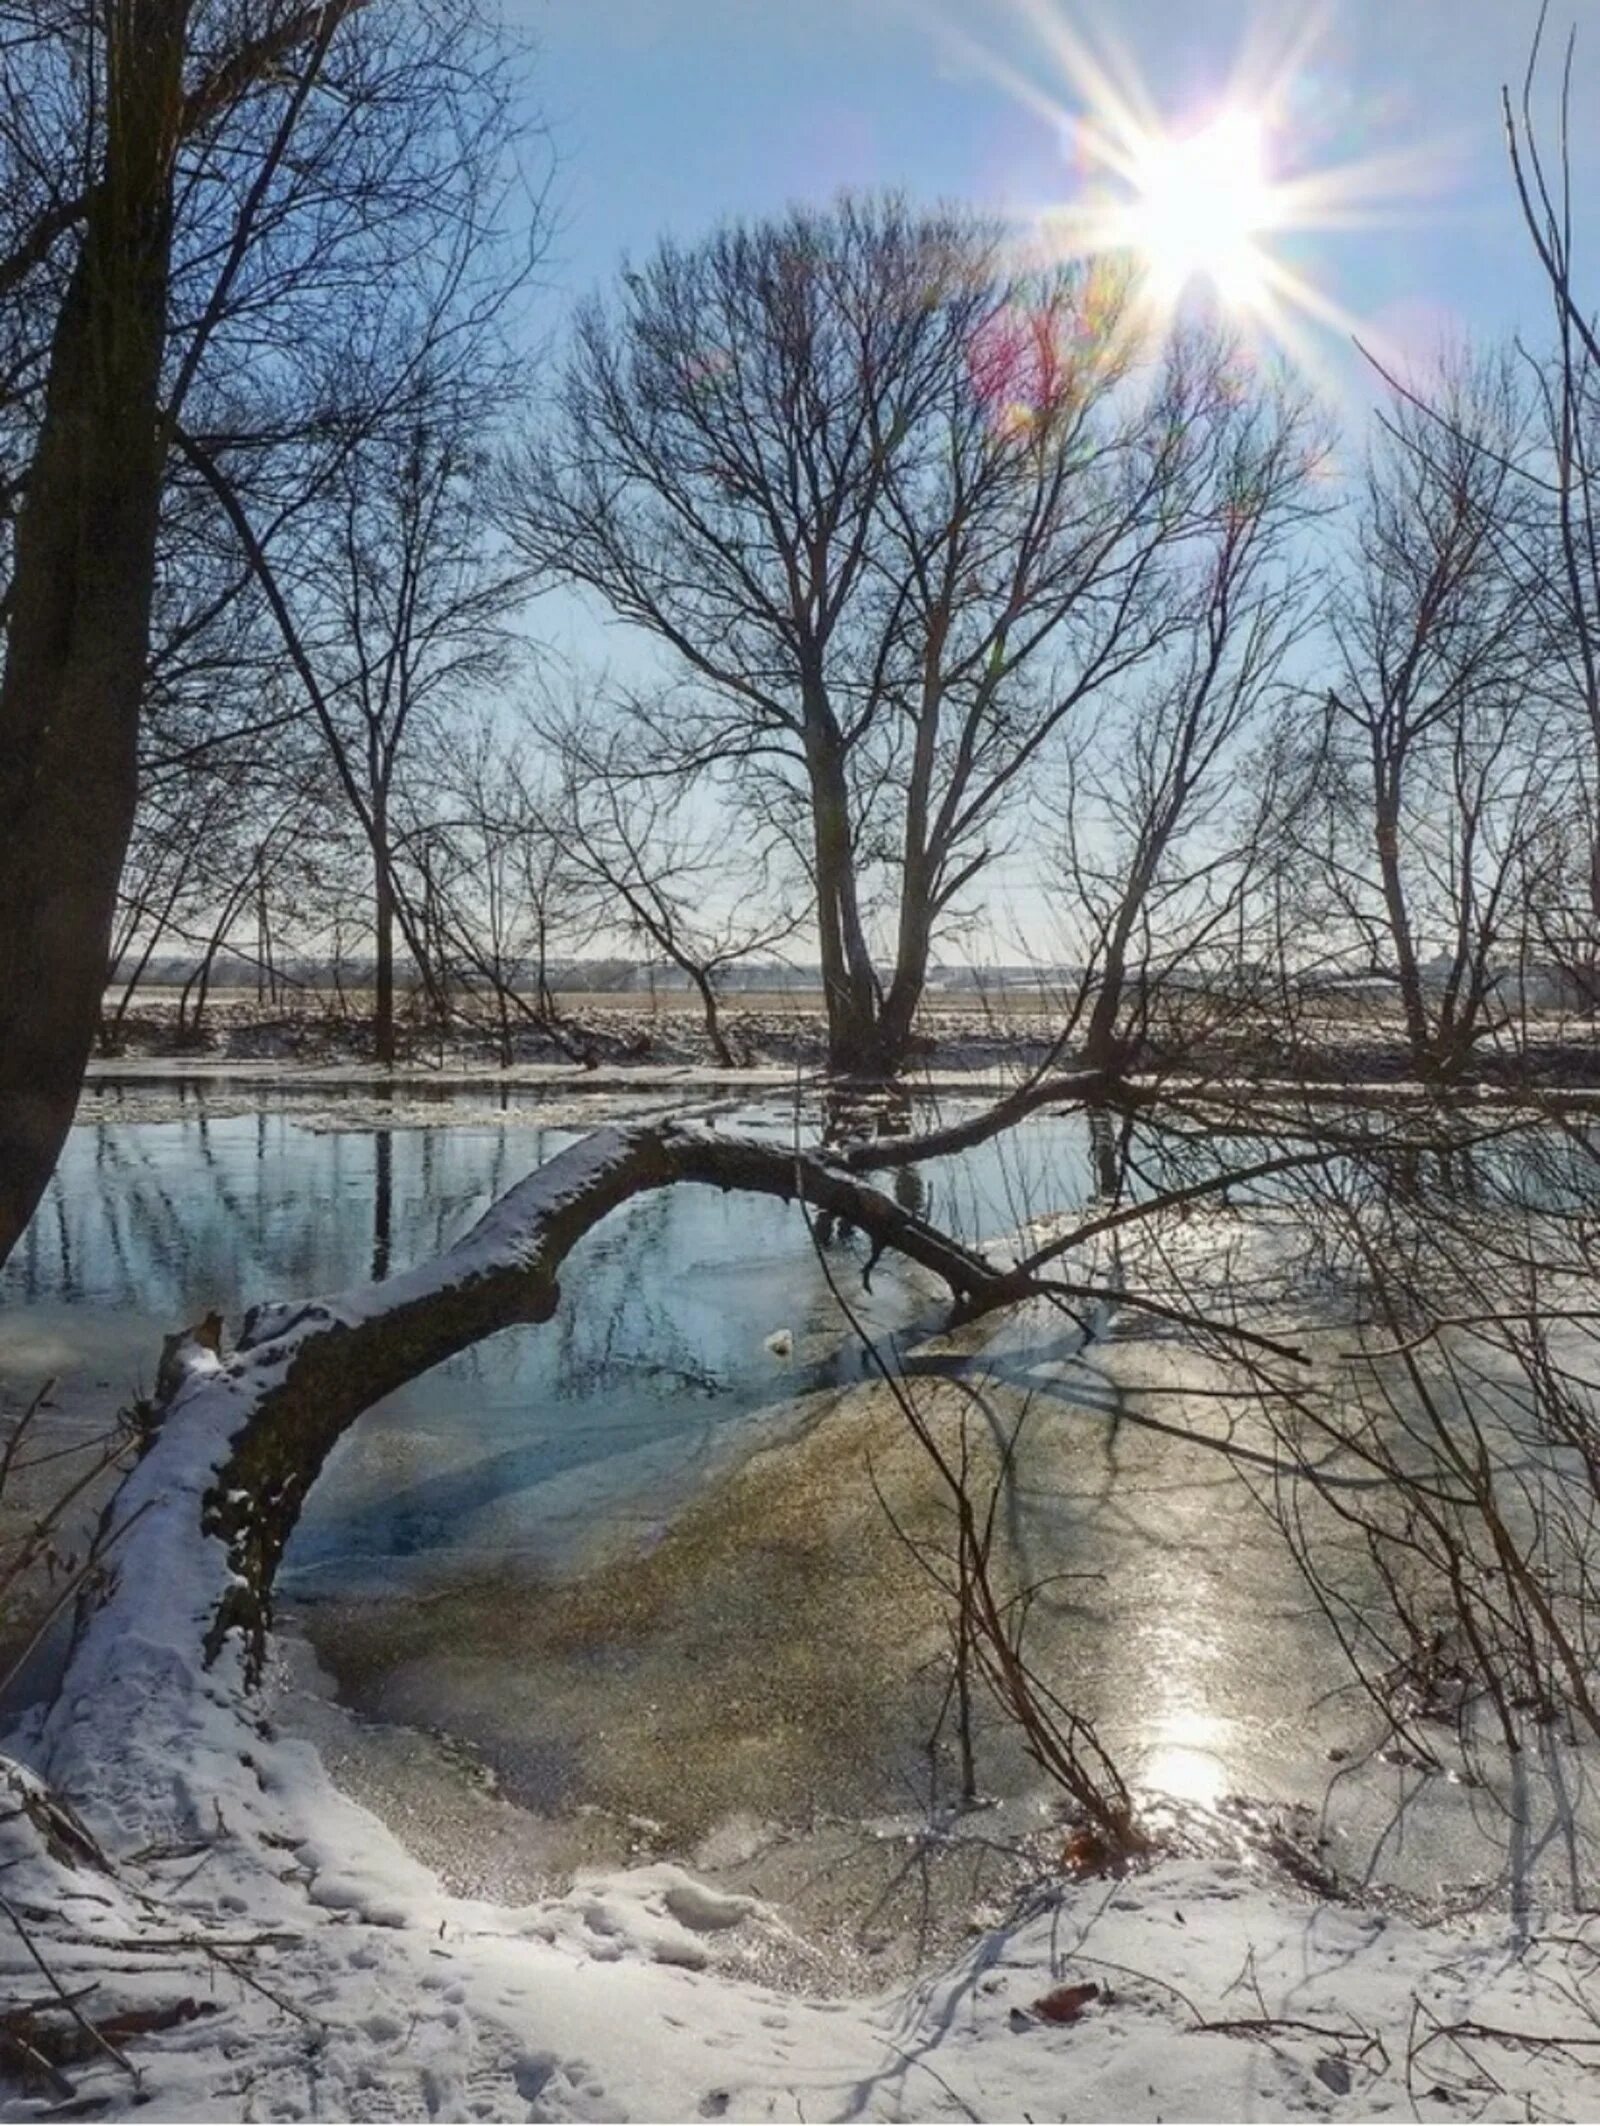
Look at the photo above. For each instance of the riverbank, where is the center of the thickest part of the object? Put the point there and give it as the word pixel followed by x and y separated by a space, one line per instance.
pixel 292 1956
pixel 666 1830
pixel 963 1038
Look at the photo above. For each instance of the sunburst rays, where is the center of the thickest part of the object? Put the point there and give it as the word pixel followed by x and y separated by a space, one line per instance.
pixel 1221 202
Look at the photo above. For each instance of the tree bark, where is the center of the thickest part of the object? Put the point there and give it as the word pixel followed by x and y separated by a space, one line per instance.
pixel 1412 1002
pixel 383 943
pixel 710 1012
pixel 915 943
pixel 78 639
pixel 1103 1048
pixel 850 989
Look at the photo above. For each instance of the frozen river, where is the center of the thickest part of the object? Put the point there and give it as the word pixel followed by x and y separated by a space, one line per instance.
pixel 564 1550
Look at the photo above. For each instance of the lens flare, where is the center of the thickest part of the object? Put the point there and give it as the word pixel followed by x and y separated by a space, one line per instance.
pixel 1215 203
pixel 1203 201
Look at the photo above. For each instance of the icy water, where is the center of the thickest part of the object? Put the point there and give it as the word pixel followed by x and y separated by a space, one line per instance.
pixel 565 1551
pixel 655 1369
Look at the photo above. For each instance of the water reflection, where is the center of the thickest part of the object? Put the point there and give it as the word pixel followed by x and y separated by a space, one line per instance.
pixel 655 1359
pixel 659 1350
pixel 382 1202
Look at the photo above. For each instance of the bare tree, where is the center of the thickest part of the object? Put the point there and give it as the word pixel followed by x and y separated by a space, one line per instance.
pixel 1161 830
pixel 1432 728
pixel 202 202
pixel 385 592
pixel 894 508
pixel 1542 472
pixel 498 870
pixel 161 880
pixel 79 604
pixel 404 620
pixel 1568 381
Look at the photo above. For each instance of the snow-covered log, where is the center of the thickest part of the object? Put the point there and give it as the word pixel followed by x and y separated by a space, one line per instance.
pixel 238 1439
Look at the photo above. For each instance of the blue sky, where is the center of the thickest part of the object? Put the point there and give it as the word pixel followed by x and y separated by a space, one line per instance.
pixel 671 114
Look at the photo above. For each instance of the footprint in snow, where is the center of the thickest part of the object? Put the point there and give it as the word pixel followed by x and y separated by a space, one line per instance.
pixel 553 2088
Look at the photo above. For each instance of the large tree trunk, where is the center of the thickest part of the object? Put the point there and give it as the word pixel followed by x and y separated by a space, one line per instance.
pixel 849 987
pixel 848 981
pixel 1103 1048
pixel 78 639
pixel 383 950
pixel 914 941
pixel 900 1006
pixel 1412 1002
pixel 712 1015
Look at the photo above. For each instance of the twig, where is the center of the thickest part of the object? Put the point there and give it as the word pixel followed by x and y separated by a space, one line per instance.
pixel 69 2001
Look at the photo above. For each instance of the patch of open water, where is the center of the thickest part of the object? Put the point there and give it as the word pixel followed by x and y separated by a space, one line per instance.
pixel 518 1453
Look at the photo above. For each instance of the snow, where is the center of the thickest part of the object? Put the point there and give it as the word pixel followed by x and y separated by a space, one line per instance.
pixel 328 1976
pixel 266 1948
pixel 320 1971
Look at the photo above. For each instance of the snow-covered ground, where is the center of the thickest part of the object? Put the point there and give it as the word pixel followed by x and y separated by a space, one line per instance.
pixel 229 1935
pixel 285 1960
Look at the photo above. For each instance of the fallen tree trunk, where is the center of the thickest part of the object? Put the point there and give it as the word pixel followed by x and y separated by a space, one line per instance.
pixel 302 1374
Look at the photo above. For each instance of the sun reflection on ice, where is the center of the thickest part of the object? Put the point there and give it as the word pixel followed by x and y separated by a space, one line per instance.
pixel 1185 1761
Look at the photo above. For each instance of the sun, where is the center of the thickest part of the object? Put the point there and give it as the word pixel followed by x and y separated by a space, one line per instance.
pixel 1221 201
pixel 1202 203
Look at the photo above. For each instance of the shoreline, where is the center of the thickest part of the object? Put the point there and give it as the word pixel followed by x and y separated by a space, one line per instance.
pixel 424 1096
pixel 750 1693
pixel 962 1040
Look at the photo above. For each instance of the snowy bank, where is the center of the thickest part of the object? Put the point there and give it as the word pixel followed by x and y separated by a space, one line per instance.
pixel 196 1919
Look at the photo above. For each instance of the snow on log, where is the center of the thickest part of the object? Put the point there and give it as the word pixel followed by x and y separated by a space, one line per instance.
pixel 239 1440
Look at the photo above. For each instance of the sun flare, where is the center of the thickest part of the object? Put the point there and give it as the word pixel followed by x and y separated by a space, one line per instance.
pixel 1202 203
pixel 1217 201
